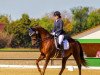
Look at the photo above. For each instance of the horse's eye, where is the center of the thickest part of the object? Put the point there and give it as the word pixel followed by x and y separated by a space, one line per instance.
pixel 33 38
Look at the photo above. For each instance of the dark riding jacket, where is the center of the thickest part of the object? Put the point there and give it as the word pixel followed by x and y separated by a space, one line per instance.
pixel 58 27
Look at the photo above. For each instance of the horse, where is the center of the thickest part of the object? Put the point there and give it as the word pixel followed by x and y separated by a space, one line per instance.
pixel 48 50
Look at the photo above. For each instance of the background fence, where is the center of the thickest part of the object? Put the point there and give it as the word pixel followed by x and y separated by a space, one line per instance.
pixel 26 57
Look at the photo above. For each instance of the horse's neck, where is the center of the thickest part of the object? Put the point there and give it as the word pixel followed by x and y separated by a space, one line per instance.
pixel 43 36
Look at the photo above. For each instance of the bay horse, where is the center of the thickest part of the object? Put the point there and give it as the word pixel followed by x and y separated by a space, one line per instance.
pixel 48 49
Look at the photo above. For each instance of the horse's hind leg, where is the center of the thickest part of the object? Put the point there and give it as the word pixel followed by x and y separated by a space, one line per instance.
pixel 64 64
pixel 42 56
pixel 78 63
pixel 79 66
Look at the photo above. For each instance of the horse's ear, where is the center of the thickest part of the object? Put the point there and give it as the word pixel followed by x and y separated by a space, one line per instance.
pixel 31 29
pixel 36 25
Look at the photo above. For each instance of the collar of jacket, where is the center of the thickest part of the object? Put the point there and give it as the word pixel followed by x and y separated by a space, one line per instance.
pixel 57 20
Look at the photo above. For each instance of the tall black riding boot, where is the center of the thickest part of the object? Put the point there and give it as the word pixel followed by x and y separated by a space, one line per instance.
pixel 59 46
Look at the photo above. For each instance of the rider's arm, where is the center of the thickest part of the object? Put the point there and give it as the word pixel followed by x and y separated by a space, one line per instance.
pixel 60 26
pixel 54 28
pixel 53 31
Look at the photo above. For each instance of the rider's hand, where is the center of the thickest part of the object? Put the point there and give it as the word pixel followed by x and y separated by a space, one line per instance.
pixel 53 33
pixel 56 35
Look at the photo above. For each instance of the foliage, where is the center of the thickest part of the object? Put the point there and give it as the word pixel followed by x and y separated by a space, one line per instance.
pixel 80 15
pixel 4 19
pixel 46 23
pixel 19 29
pixel 68 27
pixel 5 39
pixel 93 18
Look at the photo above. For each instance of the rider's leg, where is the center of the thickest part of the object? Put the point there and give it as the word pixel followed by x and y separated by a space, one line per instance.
pixel 60 39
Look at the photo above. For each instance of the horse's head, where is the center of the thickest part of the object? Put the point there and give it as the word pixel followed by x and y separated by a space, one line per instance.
pixel 33 34
pixel 38 33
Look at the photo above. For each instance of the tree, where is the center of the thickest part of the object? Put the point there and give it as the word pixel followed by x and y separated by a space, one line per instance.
pixel 4 19
pixel 93 18
pixel 80 15
pixel 34 22
pixel 19 29
pixel 68 27
pixel 5 39
pixel 46 23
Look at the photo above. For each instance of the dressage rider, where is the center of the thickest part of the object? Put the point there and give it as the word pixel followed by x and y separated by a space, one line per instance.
pixel 58 28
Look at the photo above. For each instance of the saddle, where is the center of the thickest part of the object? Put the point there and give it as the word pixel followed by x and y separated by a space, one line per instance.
pixel 64 45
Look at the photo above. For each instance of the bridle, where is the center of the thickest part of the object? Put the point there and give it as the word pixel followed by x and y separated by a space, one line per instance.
pixel 38 39
pixel 34 32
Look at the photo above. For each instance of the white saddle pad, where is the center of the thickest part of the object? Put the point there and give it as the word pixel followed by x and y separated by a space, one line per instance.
pixel 66 44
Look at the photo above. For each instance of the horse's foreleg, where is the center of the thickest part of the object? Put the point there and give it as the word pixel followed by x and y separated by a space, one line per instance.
pixel 37 62
pixel 45 65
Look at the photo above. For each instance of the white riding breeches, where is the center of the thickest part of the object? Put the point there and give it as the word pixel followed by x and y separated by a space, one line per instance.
pixel 60 39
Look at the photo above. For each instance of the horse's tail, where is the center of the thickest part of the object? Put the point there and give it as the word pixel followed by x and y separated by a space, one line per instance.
pixel 83 61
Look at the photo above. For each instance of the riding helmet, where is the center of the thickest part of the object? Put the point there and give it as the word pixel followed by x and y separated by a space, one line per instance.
pixel 57 13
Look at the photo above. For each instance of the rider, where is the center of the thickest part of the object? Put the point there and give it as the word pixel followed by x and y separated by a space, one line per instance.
pixel 58 28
